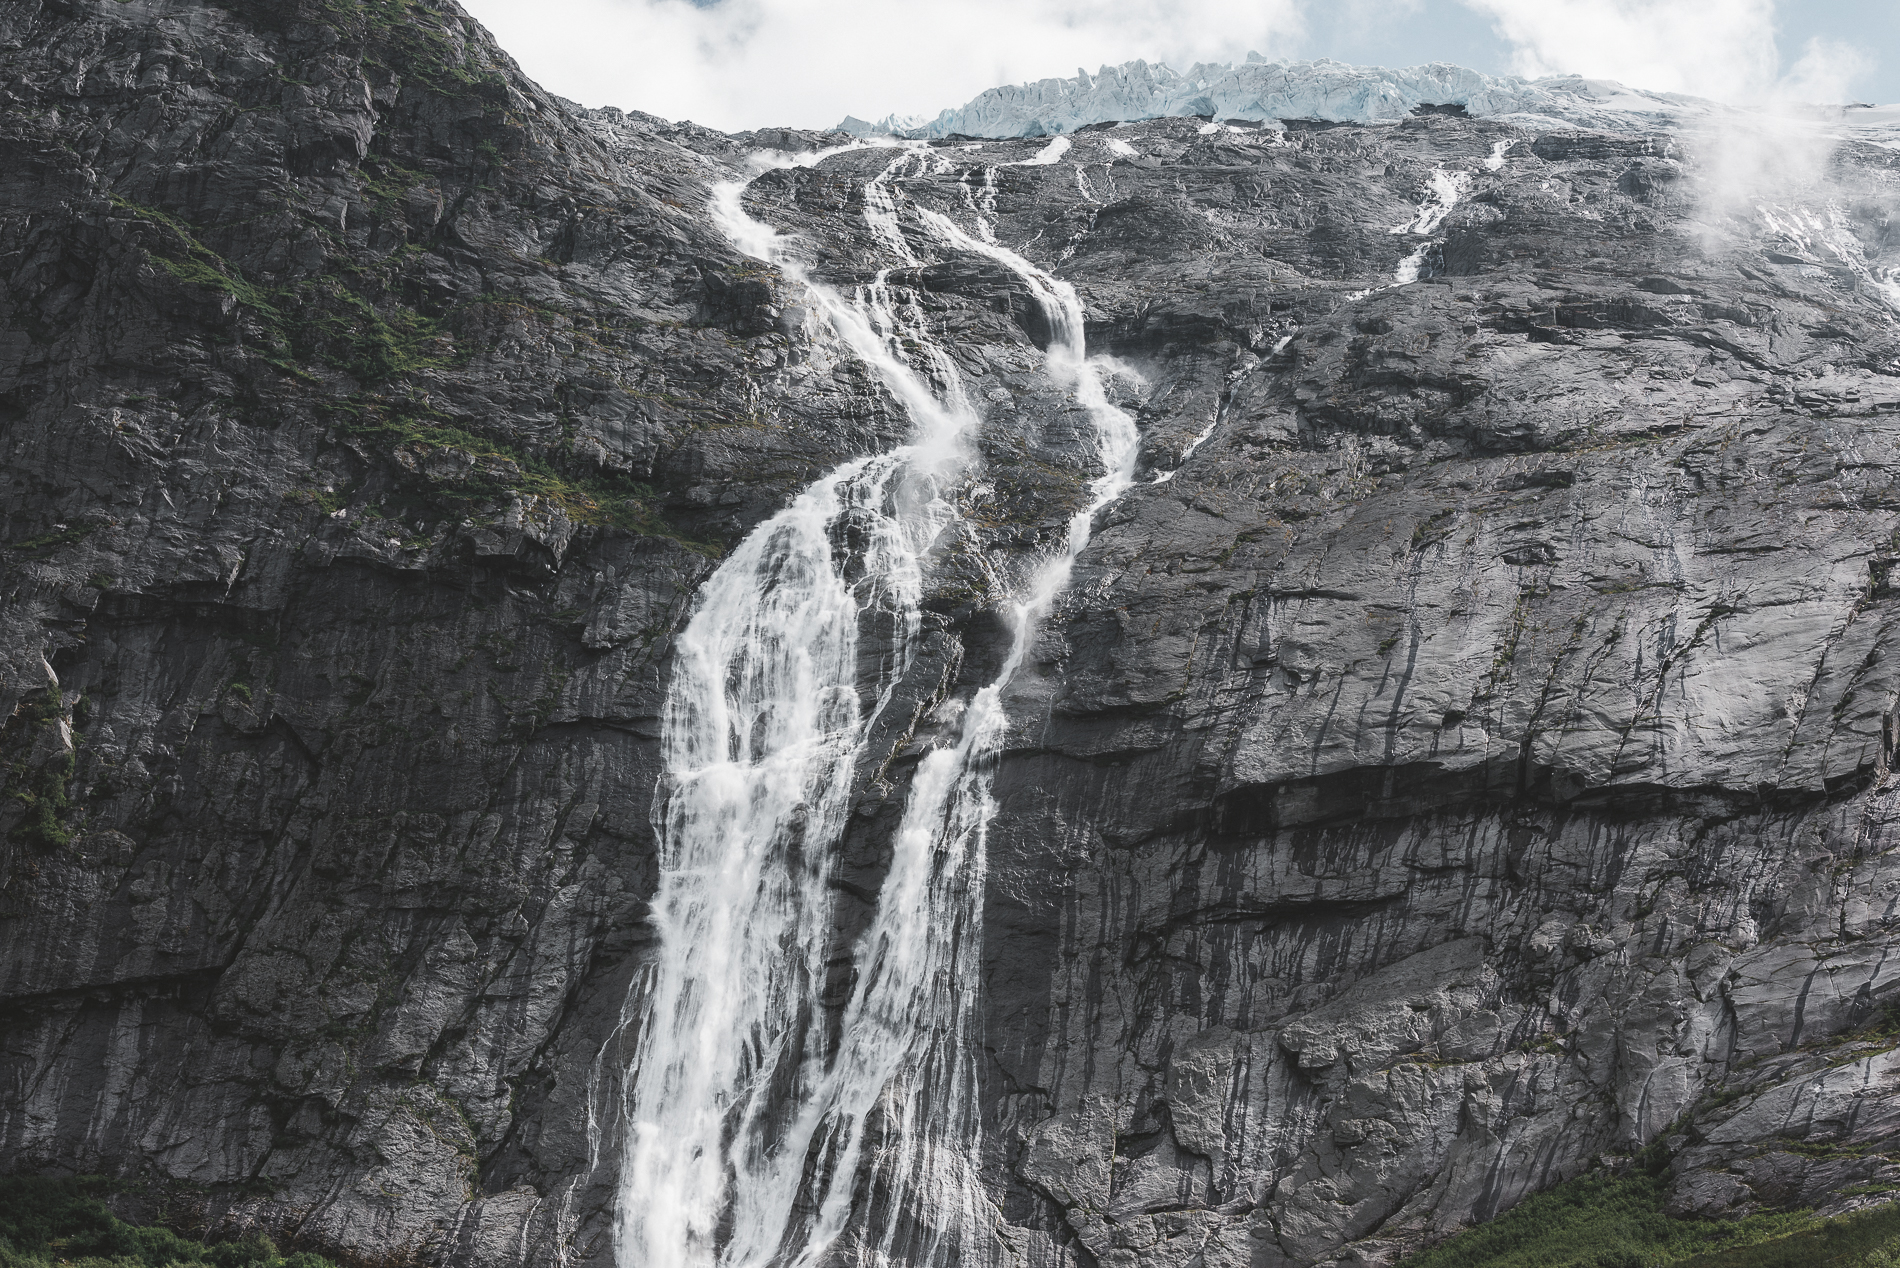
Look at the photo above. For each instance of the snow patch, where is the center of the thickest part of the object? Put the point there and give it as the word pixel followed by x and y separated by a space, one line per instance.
pixel 1046 156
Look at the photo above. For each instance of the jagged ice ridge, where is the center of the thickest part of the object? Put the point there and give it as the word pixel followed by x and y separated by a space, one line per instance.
pixel 1261 90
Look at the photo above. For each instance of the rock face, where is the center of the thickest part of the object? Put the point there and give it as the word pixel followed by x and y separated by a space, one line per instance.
pixel 1465 754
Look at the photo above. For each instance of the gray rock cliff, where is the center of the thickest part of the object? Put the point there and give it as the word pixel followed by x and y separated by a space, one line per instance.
pixel 1463 757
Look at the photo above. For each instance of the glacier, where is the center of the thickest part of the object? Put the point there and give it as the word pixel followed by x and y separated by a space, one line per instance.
pixel 1257 90
pixel 1260 91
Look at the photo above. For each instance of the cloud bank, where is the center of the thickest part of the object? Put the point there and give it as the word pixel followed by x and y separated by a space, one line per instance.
pixel 1722 49
pixel 1707 48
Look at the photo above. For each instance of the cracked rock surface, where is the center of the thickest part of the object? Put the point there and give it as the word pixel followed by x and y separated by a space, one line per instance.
pixel 1465 754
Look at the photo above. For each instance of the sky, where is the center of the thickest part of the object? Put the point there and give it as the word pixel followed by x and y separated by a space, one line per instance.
pixel 738 64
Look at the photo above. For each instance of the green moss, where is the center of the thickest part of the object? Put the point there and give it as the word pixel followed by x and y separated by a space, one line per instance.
pixel 1821 1152
pixel 321 320
pixel 198 263
pixel 387 182
pixel 45 1221
pixel 324 321
pixel 502 470
pixel 327 500
pixel 409 39
pixel 47 541
pixel 370 344
pixel 40 791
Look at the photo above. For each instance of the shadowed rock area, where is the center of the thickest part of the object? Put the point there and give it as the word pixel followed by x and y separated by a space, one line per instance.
pixel 1464 757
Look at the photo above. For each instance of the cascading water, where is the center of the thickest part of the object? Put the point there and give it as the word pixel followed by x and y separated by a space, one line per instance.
pixel 760 732
pixel 762 728
pixel 747 1138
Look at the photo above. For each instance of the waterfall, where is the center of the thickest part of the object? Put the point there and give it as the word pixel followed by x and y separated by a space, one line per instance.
pixel 748 1135
pixel 761 730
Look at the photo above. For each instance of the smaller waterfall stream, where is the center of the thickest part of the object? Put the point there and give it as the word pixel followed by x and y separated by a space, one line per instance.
pixel 761 730
pixel 906 1026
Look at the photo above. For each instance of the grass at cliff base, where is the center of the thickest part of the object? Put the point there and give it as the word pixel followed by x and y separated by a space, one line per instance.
pixel 44 1222
pixel 1607 1221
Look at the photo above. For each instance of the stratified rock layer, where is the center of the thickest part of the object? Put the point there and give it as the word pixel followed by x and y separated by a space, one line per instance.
pixel 1464 756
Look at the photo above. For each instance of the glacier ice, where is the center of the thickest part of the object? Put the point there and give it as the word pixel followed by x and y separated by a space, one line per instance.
pixel 1261 91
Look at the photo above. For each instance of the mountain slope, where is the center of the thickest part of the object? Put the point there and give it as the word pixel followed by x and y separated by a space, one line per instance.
pixel 1463 753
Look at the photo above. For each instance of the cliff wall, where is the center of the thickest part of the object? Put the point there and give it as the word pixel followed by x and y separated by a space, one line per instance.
pixel 1463 755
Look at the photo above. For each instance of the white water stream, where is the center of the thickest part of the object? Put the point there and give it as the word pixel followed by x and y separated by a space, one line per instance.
pixel 749 1131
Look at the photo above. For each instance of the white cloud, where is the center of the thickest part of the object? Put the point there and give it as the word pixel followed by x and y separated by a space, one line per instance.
pixel 1826 72
pixel 807 63
pixel 1721 49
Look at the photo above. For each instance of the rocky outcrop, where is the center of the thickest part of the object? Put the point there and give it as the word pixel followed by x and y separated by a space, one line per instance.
pixel 1474 760
pixel 1464 755
pixel 370 419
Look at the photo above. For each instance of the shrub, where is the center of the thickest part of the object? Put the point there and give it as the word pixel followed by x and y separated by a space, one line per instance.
pixel 1601 1221
pixel 1865 1239
pixel 46 1222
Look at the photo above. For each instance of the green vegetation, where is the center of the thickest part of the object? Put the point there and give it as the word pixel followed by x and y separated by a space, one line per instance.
pixel 47 541
pixel 1605 1221
pixel 386 182
pixel 338 326
pixel 327 500
pixel 500 470
pixel 409 39
pixel 45 1222
pixel 322 320
pixel 1866 1239
pixel 40 791
pixel 348 319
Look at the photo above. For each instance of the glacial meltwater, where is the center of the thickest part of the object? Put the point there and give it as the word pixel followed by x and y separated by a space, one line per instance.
pixel 755 1138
